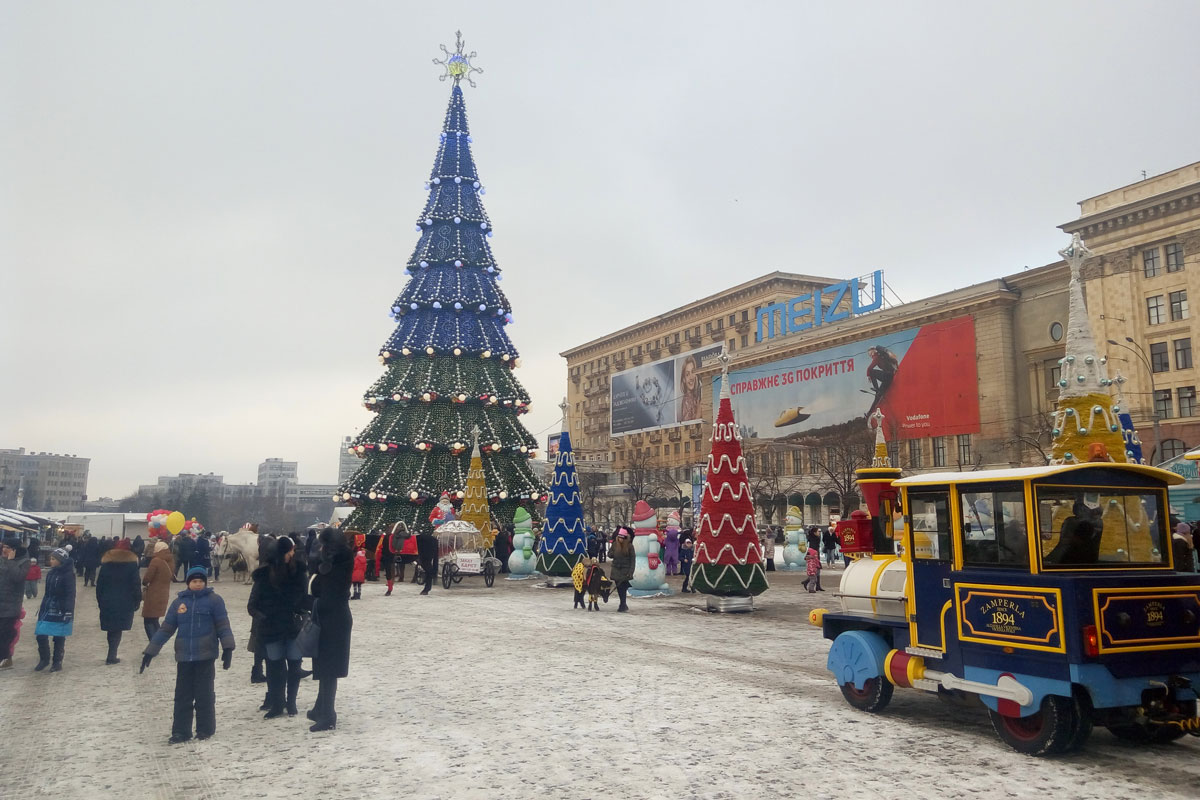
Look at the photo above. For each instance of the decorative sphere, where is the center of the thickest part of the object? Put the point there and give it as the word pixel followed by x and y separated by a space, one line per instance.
pixel 457 220
pixel 396 397
pixel 413 495
pixel 458 351
pixel 1081 378
pixel 495 446
pixel 476 184
pixel 462 398
pixel 429 350
pixel 457 179
pixel 424 264
pixel 1103 359
pixel 524 449
pixel 482 307
pixel 386 354
pixel 504 357
pixel 458 494
pixel 1055 432
pixel 503 494
pixel 1113 428
pixel 1062 382
pixel 1070 359
pixel 425 397
pixel 1089 360
pixel 1116 409
pixel 491 269
pixel 345 495
pixel 371 495
pixel 1083 431
pixel 437 304
pixel 429 220
pixel 486 354
pixel 436 181
pixel 492 400
pixel 361 448
pixel 1070 412
pixel 458 263
pixel 406 352
pixel 458 306
pixel 1069 456
pixel 413 306
pixel 1097 410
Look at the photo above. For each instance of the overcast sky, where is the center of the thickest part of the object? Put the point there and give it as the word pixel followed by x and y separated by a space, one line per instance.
pixel 205 208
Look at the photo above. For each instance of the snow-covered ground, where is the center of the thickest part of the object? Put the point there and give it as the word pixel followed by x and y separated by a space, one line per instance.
pixel 509 693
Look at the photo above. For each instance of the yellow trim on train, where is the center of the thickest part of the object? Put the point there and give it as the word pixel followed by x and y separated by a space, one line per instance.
pixel 1034 473
pixel 1132 593
pixel 1009 640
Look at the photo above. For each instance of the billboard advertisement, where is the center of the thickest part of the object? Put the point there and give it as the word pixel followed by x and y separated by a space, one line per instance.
pixel 552 446
pixel 923 379
pixel 661 394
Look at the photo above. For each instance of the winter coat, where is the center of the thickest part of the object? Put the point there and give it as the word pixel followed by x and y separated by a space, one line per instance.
pixel 118 589
pixel 687 551
pixel 184 548
pixel 91 553
pixel 330 588
pixel 202 623
pixel 359 573
pixel 202 553
pixel 829 540
pixel 622 561
pixel 384 557
pixel 56 614
pixel 12 585
pixel 813 562
pixel 276 603
pixel 157 581
pixel 138 546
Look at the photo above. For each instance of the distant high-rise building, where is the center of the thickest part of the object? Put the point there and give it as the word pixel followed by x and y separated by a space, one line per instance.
pixel 47 481
pixel 347 462
pixel 274 477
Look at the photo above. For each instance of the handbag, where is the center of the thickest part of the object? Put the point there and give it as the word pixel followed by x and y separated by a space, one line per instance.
pixel 310 634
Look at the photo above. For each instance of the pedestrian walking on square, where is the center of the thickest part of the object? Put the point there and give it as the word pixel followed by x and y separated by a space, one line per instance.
pixel 184 549
pixel 276 601
pixel 118 593
pixel 157 587
pixel 14 567
pixel 359 574
pixel 91 559
pixel 198 615
pixel 829 543
pixel 56 616
pixel 622 565
pixel 687 551
pixel 385 560
pixel 202 553
pixel 32 578
pixel 427 554
pixel 330 588
pixel 813 562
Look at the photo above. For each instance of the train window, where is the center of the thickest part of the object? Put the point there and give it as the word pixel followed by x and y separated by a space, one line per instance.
pixel 994 532
pixel 1106 528
pixel 929 521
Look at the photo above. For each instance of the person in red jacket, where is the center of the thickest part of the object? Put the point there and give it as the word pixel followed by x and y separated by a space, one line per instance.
pixel 359 574
pixel 408 554
pixel 385 561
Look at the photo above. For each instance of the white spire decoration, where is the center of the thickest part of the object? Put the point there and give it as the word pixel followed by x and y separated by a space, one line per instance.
pixel 1083 370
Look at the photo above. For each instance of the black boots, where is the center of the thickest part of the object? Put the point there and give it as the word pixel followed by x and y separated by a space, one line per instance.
pixel 276 684
pixel 43 643
pixel 256 672
pixel 114 641
pixel 60 645
pixel 323 715
pixel 294 673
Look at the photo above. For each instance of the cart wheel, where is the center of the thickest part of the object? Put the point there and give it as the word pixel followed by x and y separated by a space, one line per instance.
pixel 455 575
pixel 489 575
pixel 446 579
pixel 1044 733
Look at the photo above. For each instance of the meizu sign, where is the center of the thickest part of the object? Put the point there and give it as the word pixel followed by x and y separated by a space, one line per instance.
pixel 821 307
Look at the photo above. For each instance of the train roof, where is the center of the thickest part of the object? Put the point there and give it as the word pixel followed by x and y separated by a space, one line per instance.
pixel 1032 473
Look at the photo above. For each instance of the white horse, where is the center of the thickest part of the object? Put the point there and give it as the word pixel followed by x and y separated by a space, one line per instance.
pixel 244 543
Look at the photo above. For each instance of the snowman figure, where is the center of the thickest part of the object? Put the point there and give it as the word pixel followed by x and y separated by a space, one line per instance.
pixel 793 553
pixel 521 561
pixel 649 572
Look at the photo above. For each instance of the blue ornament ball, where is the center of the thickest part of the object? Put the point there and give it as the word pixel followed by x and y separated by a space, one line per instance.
pixel 458 306
pixel 437 304
pixel 413 306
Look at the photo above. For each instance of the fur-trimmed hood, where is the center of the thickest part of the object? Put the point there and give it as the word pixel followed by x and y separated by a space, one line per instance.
pixel 115 556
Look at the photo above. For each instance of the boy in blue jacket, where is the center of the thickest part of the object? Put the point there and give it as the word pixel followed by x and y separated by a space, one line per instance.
pixel 198 614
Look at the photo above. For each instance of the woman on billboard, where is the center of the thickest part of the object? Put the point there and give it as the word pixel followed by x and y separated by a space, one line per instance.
pixel 689 389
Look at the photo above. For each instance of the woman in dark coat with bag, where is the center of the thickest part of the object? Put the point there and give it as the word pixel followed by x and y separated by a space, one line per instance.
pixel 56 617
pixel 275 605
pixel 622 565
pixel 118 593
pixel 330 588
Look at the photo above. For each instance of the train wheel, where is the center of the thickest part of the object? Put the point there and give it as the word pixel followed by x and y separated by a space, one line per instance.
pixel 446 578
pixel 1044 733
pixel 873 697
pixel 489 575
pixel 1083 725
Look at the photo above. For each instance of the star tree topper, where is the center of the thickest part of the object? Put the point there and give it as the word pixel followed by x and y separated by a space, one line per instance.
pixel 457 63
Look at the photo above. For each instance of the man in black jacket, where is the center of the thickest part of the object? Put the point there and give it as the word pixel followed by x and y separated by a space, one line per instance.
pixel 427 553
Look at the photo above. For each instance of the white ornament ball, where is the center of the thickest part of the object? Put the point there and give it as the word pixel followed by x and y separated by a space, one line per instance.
pixel 425 397
pixel 396 397
pixel 413 495
pixel 458 495
pixel 503 494
pixel 462 398
pixel 345 495
pixel 405 351
pixel 457 180
pixel 371 495
pixel 429 350
pixel 458 306
pixel 486 354
pixel 495 446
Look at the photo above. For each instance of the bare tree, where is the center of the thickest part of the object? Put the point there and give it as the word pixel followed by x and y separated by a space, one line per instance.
pixel 1034 437
pixel 639 468
pixel 769 485
pixel 663 482
pixel 839 453
pixel 590 481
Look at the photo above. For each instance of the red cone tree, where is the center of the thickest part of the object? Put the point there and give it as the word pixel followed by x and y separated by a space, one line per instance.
pixel 727 561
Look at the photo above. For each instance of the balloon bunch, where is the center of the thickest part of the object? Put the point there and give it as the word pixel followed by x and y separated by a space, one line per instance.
pixel 161 521
pixel 193 527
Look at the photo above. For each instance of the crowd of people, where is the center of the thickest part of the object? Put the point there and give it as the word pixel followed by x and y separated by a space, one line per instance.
pixel 301 592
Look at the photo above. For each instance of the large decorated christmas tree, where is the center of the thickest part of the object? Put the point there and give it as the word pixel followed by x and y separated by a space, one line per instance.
pixel 727 562
pixel 449 364
pixel 563 541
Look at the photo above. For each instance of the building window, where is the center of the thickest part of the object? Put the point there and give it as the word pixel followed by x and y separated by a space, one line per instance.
pixel 677 448
pixel 1160 360
pixel 1183 354
pixel 732 320
pixel 1172 448
pixel 1174 257
pixel 1187 401
pixel 914 454
pixel 939 451
pixel 1053 375
pixel 1162 403
pixel 1056 331
pixel 746 340
pixel 1154 310
pixel 814 464
pixel 687 447
pixel 1179 309
pixel 964 448
pixel 797 462
pixel 1150 265
pixel 731 343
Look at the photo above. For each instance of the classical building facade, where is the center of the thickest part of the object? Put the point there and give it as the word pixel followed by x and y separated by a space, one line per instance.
pixel 977 385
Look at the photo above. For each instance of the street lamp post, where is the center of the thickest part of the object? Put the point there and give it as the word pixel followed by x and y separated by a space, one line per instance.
pixel 1141 354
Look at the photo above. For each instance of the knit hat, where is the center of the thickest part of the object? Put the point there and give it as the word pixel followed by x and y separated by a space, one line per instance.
pixel 160 546
pixel 121 544
pixel 197 572
pixel 62 555
pixel 283 546
pixel 12 542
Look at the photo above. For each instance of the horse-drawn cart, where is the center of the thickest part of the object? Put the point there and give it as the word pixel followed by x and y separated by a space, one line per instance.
pixel 462 551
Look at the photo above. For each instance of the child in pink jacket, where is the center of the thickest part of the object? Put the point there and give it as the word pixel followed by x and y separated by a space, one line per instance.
pixel 359 574
pixel 813 562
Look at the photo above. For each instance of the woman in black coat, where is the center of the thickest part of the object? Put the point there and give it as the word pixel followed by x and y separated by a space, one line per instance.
pixel 275 604
pixel 118 593
pixel 330 588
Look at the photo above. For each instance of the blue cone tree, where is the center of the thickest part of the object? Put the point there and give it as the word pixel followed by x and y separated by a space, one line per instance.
pixel 563 542
pixel 448 367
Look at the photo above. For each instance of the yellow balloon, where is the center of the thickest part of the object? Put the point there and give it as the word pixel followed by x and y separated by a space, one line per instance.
pixel 175 522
